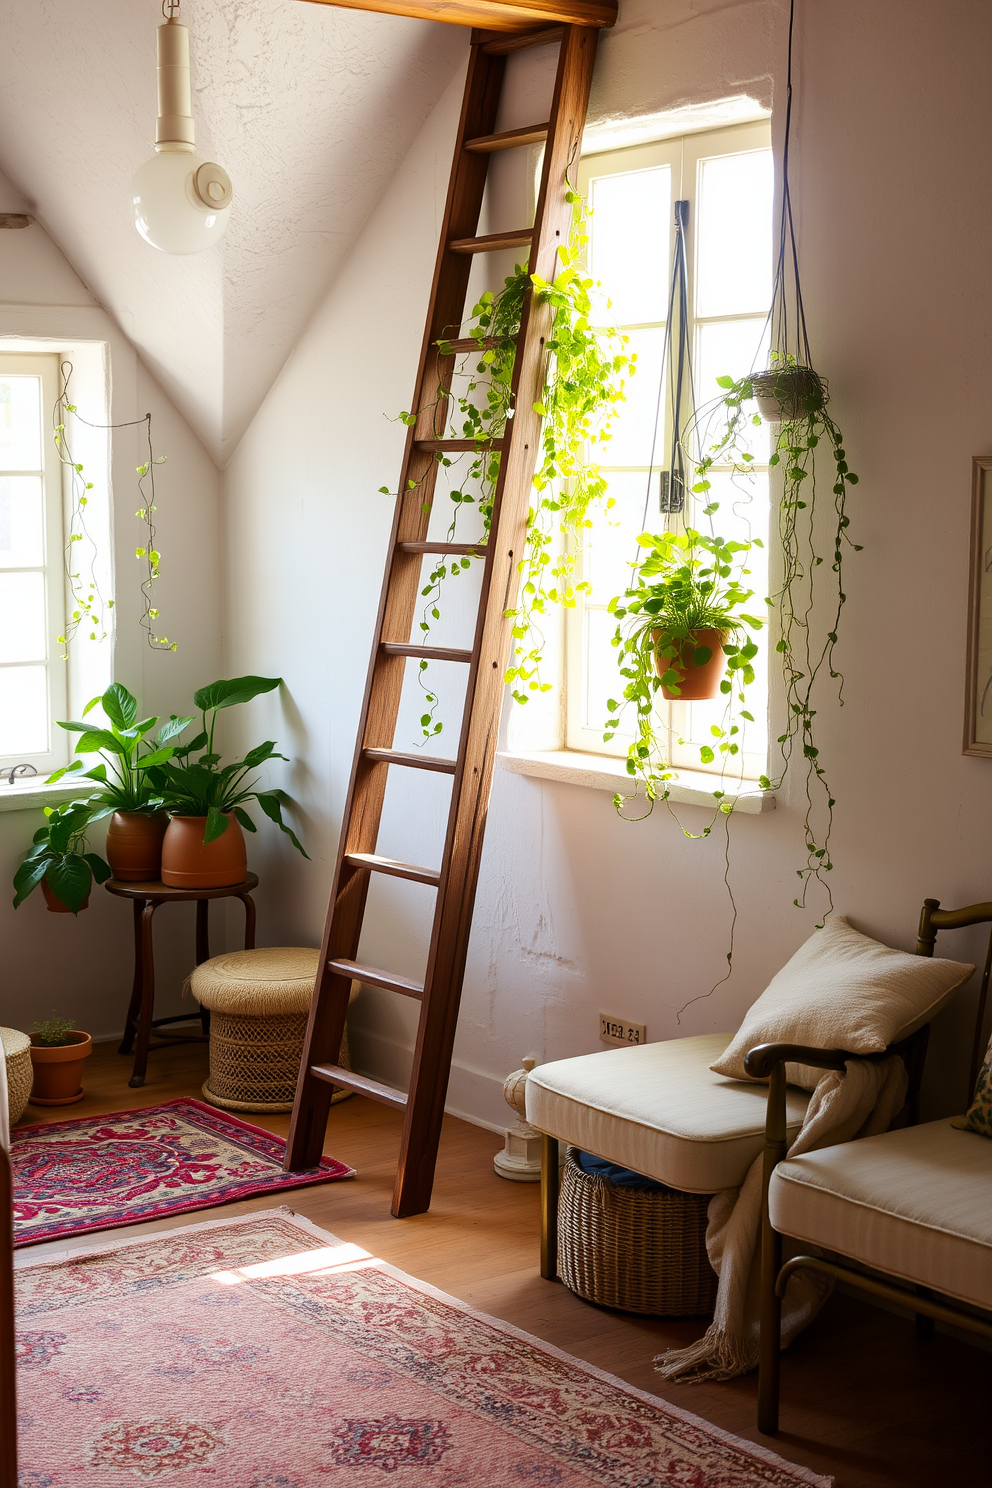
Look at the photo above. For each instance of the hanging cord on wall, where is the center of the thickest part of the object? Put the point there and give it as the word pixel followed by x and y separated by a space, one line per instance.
pixel 676 368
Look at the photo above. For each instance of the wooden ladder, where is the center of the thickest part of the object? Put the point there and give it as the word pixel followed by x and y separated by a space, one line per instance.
pixel 471 770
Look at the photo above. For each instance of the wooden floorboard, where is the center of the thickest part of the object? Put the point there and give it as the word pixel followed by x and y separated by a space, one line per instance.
pixel 861 1398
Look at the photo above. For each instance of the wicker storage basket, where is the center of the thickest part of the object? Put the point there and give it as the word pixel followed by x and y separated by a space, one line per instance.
pixel 640 1250
pixel 20 1071
pixel 259 1002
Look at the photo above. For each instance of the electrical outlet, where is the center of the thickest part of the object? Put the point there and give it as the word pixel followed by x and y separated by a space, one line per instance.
pixel 619 1031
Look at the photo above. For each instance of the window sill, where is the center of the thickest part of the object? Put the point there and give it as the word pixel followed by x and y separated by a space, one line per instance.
pixel 34 793
pixel 601 772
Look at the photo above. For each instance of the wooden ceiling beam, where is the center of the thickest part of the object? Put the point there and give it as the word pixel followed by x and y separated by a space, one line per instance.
pixel 502 16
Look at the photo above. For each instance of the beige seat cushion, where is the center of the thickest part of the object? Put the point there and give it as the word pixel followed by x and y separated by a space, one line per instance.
pixel 257 984
pixel 915 1203
pixel 658 1109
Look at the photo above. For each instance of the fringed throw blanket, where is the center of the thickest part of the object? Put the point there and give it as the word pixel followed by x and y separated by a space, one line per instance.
pixel 860 1102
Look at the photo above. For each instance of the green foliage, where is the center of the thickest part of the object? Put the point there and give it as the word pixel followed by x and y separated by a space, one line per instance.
pixel 688 582
pixel 56 855
pixel 53 1032
pixel 129 774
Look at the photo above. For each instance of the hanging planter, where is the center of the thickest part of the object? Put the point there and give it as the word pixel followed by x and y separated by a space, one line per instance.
pixel 786 392
pixel 697 660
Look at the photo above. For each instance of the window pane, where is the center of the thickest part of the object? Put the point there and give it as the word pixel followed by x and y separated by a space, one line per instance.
pixel 22 532
pixel 633 431
pixel 630 242
pixel 602 676
pixel 23 710
pixel 730 348
pixel 611 543
pixel 22 617
pixel 734 234
pixel 20 422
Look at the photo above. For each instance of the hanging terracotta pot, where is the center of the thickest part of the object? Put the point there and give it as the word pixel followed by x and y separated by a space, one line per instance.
pixel 788 393
pixel 190 863
pixel 699 681
pixel 134 845
pixel 58 1070
pixel 55 903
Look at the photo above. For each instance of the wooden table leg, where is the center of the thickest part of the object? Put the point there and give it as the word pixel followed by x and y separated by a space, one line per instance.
pixel 249 905
pixel 147 996
pixel 130 1023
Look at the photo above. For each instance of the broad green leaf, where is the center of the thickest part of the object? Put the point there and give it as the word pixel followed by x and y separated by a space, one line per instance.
pixel 70 879
pixel 120 706
pixel 171 729
pixel 157 757
pixel 95 740
pixel 99 868
pixel 29 876
pixel 270 802
pixel 226 694
pixel 245 819
pixel 217 824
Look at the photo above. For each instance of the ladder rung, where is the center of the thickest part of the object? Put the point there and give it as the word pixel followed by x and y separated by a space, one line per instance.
pixel 500 45
pixel 425 653
pixel 473 343
pixel 394 868
pixel 459 446
pixel 376 977
pixel 467 550
pixel 415 761
pixel 486 144
pixel 492 242
pixel 360 1084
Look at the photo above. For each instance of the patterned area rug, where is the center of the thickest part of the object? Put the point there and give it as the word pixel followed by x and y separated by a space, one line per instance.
pixel 261 1352
pixel 99 1172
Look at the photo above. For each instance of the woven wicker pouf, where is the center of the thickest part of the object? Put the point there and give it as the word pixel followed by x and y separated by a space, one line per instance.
pixel 20 1070
pixel 258 1002
pixel 637 1249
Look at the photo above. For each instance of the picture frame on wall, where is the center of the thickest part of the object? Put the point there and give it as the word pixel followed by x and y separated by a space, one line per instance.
pixel 978 691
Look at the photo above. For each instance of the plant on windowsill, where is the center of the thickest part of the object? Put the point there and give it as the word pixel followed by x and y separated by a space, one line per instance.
pixel 58 1051
pixel 129 777
pixel 57 861
pixel 204 846
pixel 680 628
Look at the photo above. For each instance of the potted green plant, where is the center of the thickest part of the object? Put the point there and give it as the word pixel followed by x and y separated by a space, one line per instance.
pixel 129 778
pixel 57 1053
pixel 681 630
pixel 787 390
pixel 204 845
pixel 57 861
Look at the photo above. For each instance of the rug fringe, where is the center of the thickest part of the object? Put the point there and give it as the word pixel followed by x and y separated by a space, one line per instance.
pixel 715 1356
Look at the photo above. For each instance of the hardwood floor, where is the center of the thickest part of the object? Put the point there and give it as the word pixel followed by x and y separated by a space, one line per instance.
pixel 862 1399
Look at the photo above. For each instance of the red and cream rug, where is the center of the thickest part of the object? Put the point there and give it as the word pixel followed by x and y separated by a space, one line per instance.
pixel 100 1172
pixel 261 1352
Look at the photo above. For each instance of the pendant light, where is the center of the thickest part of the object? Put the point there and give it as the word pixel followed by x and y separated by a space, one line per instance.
pixel 181 202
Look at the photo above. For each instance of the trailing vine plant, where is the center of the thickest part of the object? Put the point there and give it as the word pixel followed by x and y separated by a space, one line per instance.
pixel 585 377
pixel 88 607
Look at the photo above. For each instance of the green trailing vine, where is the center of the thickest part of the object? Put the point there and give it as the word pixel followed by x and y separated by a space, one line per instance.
pixel 586 370
pixel 88 607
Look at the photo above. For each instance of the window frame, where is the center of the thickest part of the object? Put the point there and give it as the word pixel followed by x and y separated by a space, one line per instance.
pixel 684 155
pixel 45 365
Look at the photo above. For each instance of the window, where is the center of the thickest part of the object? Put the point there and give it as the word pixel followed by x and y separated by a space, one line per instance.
pixel 32 606
pixel 726 176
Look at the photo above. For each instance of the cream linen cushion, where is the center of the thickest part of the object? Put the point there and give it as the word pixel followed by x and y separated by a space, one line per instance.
pixel 660 1110
pixel 916 1203
pixel 843 990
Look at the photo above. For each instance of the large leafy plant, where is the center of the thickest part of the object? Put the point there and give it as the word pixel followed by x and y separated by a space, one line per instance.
pixel 57 855
pixel 129 775
pixel 687 582
pixel 205 786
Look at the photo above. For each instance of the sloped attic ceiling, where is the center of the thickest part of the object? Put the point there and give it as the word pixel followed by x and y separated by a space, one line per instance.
pixel 309 107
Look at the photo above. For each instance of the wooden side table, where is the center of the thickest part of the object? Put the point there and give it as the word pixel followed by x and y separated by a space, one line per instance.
pixel 146 898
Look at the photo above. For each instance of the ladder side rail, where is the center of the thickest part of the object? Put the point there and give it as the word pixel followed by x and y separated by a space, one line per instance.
pixel 486 688
pixel 384 685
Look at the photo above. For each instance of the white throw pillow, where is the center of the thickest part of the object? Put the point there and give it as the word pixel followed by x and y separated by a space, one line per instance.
pixel 843 990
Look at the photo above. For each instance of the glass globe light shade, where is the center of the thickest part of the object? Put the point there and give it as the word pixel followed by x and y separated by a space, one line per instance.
pixel 168 212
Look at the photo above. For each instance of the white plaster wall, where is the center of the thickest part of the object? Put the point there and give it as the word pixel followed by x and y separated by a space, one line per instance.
pixel 83 966
pixel 576 910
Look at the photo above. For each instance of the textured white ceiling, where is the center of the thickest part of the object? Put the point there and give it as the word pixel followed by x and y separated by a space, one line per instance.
pixel 309 107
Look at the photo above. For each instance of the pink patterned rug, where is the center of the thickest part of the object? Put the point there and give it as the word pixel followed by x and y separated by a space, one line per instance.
pixel 261 1352
pixel 99 1172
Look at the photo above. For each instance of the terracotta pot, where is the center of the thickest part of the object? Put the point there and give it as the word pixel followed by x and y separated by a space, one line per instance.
pixel 787 393
pixel 55 903
pixel 189 863
pixel 134 845
pixel 58 1070
pixel 698 682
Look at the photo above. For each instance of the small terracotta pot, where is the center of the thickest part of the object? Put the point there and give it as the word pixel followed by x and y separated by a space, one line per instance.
pixel 58 1070
pixel 134 845
pixel 55 903
pixel 189 863
pixel 698 682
